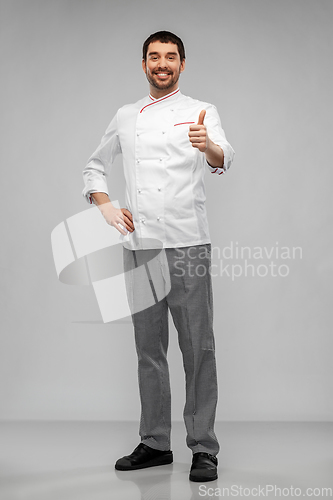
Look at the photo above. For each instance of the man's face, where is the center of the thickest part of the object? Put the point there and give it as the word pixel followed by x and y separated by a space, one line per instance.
pixel 163 66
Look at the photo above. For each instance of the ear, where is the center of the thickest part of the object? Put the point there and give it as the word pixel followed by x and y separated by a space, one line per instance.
pixel 182 66
pixel 144 65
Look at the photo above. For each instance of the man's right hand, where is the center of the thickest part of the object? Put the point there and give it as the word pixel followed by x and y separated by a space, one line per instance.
pixel 128 219
pixel 114 216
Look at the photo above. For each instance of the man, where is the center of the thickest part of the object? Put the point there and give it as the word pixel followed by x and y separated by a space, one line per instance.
pixel 168 142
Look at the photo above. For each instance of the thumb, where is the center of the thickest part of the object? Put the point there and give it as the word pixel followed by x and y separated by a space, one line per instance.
pixel 201 117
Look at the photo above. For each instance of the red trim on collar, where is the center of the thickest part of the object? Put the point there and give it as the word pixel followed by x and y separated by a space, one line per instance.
pixel 159 100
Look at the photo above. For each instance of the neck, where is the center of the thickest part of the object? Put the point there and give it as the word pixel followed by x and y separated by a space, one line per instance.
pixel 158 93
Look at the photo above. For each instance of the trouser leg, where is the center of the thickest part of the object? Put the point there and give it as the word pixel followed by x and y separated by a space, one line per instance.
pixel 151 339
pixel 191 304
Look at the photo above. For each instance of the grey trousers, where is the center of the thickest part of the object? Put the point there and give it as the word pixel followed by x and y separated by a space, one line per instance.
pixel 190 301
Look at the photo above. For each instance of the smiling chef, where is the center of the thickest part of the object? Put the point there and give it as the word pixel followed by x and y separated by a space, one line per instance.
pixel 168 142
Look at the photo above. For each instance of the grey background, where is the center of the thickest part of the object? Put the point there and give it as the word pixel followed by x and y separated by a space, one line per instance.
pixel 66 68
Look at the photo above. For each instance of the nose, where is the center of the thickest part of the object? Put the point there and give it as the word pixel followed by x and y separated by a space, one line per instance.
pixel 162 62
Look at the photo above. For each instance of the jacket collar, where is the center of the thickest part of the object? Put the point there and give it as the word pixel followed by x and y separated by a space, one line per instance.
pixel 169 98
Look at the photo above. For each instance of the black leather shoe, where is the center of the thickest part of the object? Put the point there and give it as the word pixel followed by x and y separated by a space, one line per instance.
pixel 204 467
pixel 143 456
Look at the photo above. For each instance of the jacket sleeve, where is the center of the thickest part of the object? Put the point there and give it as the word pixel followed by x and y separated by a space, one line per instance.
pixel 217 135
pixel 99 163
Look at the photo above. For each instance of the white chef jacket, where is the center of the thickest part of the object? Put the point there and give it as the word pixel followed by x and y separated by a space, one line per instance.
pixel 164 173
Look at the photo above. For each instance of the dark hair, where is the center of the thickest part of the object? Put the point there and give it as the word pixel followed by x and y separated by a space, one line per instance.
pixel 164 37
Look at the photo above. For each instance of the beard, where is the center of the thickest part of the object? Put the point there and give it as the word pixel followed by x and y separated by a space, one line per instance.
pixel 162 84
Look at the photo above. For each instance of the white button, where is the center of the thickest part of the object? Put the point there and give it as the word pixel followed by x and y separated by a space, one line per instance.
pixel 161 159
pixel 143 221
pixel 159 189
pixel 158 218
pixel 137 134
pixel 139 190
pixel 138 160
pixel 163 131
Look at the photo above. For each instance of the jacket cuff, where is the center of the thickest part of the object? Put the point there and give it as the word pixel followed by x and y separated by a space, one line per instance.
pixel 216 170
pixel 87 194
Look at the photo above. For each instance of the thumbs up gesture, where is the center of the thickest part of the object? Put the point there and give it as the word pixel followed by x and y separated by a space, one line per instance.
pixel 198 134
